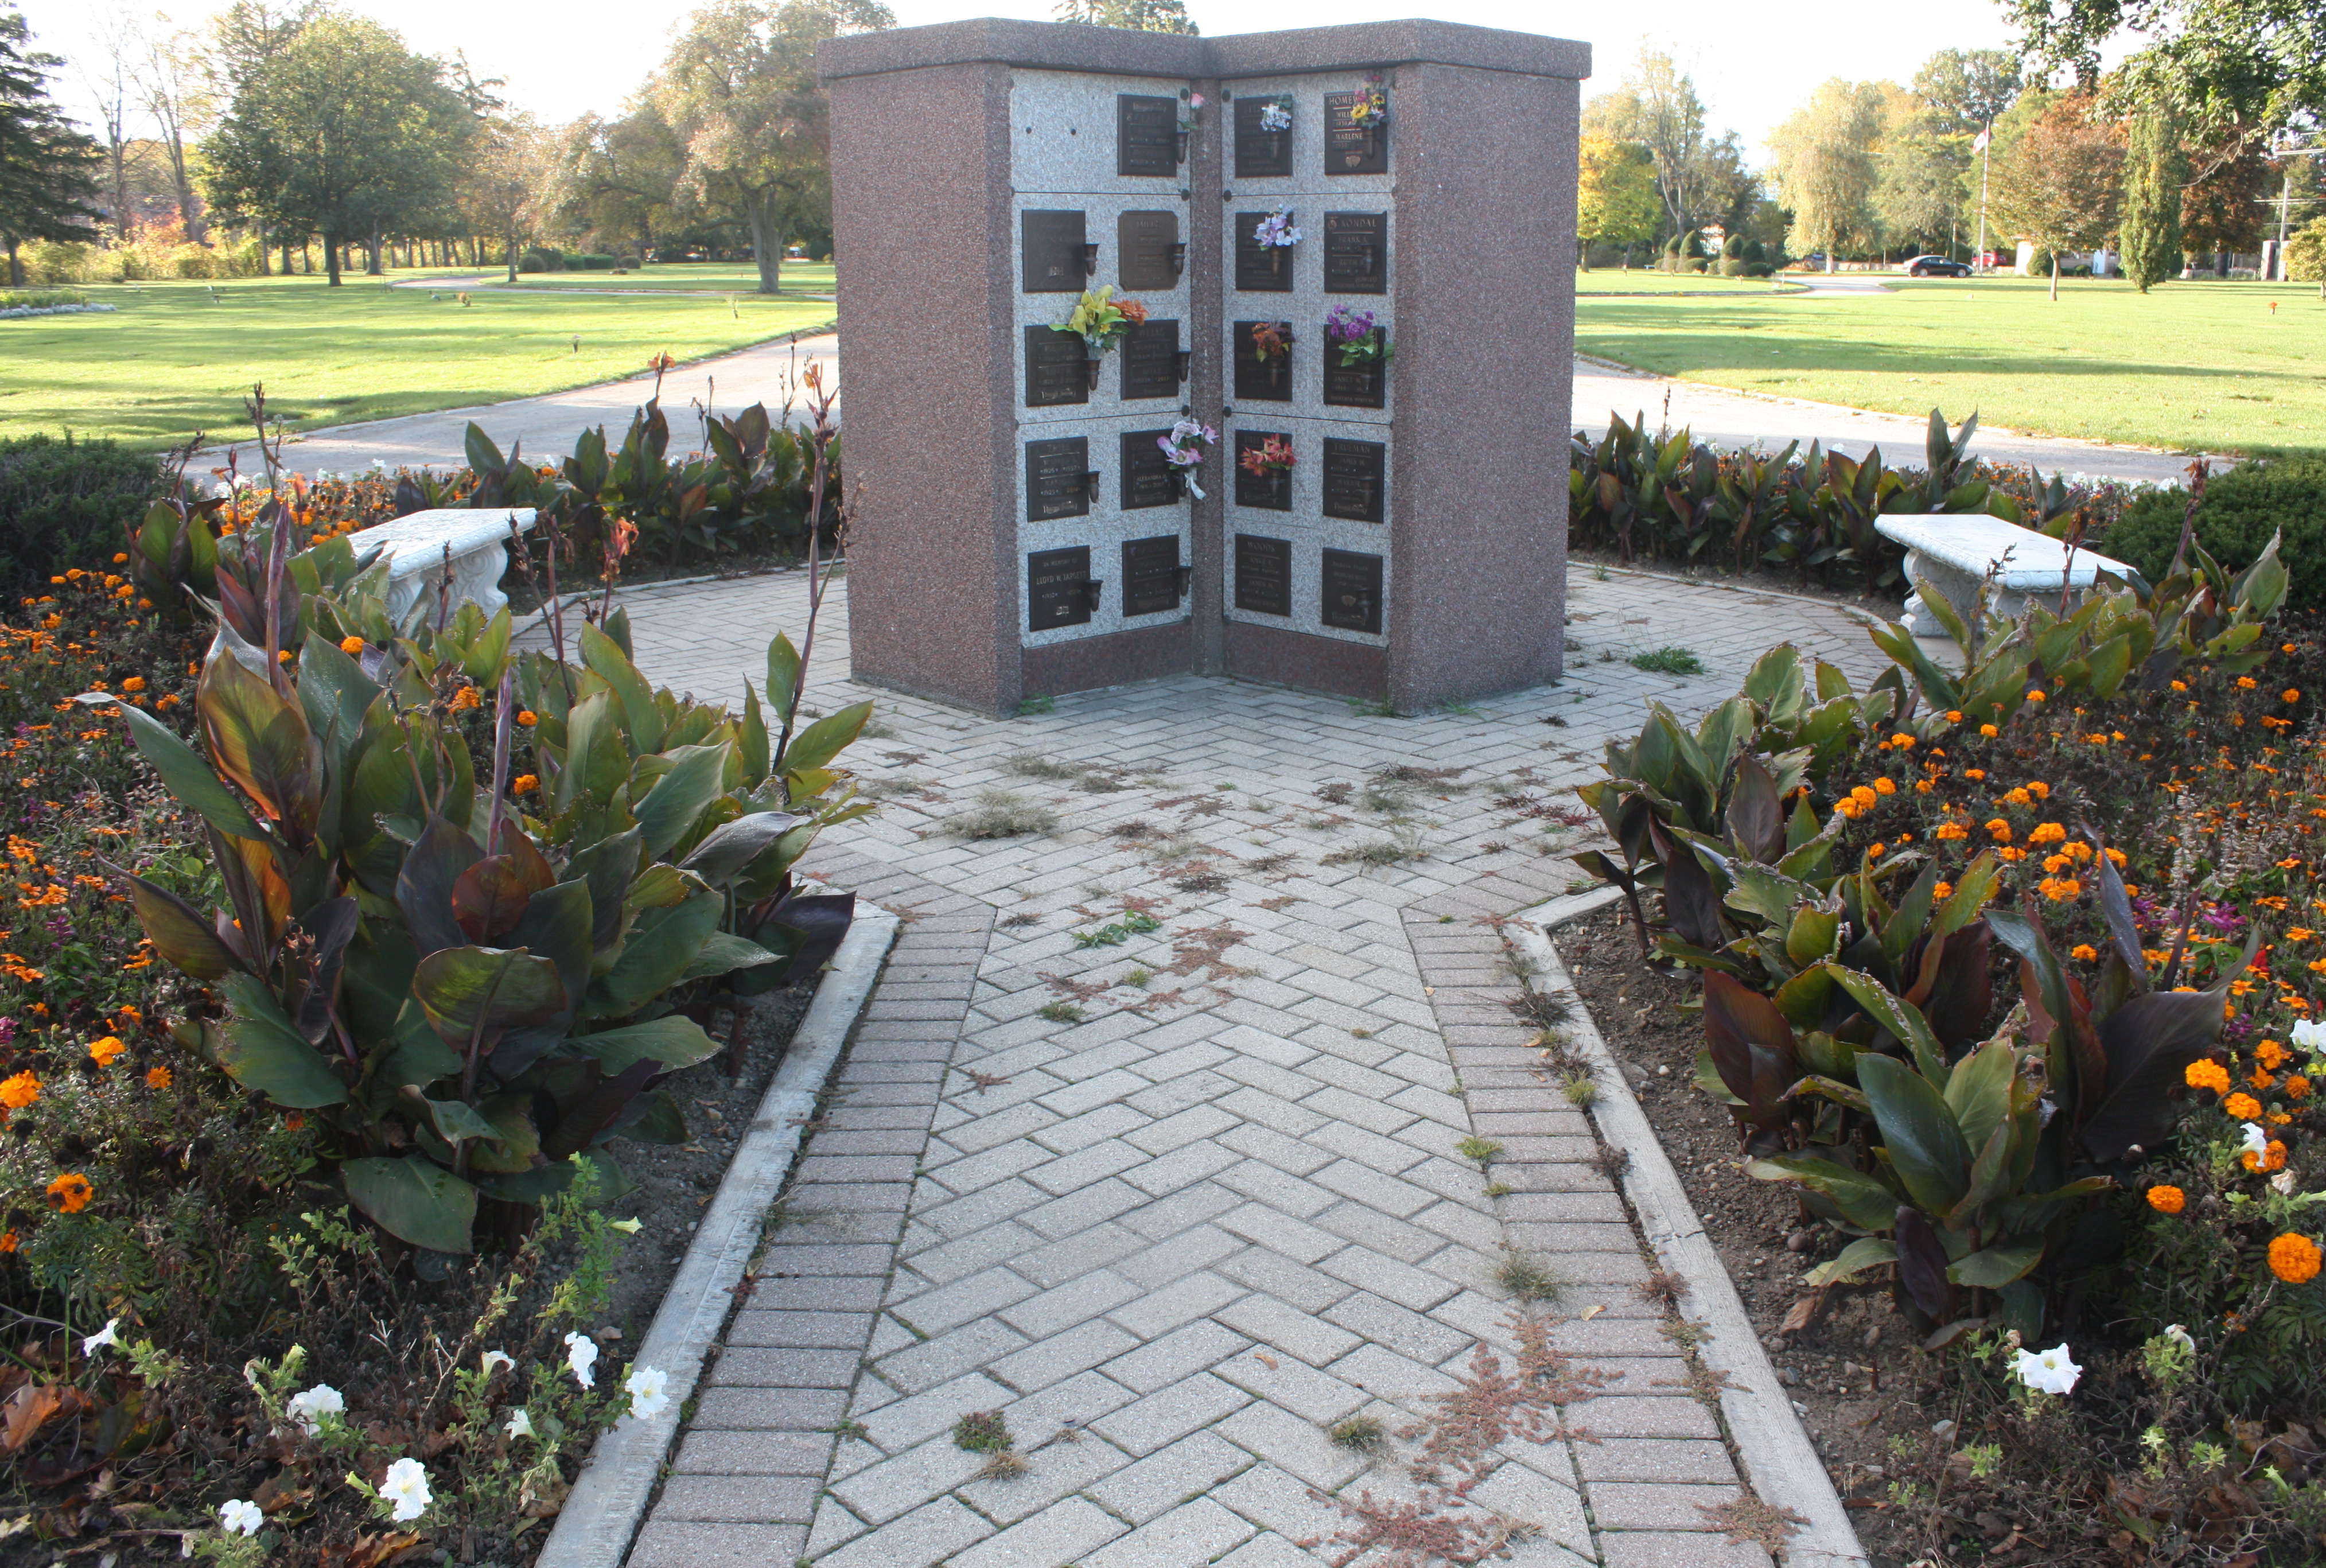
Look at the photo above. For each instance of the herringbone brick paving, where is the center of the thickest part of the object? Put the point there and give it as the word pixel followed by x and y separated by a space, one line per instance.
pixel 1177 1204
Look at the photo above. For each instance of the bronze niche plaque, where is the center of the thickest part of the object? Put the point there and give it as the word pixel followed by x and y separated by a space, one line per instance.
pixel 1147 478
pixel 1150 353
pixel 1353 591
pixel 1263 575
pixel 1057 479
pixel 1271 489
pixel 1051 246
pixel 1151 575
pixel 1146 134
pixel 1356 252
pixel 1058 588
pixel 1057 369
pixel 1261 153
pixel 1259 380
pixel 1351 148
pixel 1148 252
pixel 1355 485
pixel 1261 268
pixel 1364 384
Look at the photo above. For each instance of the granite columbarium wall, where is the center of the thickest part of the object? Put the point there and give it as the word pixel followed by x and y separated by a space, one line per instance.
pixel 1016 533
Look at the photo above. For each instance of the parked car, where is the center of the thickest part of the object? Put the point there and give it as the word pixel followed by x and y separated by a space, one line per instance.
pixel 1937 266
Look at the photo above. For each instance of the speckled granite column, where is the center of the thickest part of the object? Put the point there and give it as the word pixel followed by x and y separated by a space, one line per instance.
pixel 950 142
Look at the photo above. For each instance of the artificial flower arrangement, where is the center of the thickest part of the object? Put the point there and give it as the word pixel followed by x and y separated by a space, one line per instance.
pixel 1271 340
pixel 1371 110
pixel 1277 234
pixel 1272 456
pixel 1102 322
pixel 1189 119
pixel 1276 115
pixel 1362 340
pixel 1184 448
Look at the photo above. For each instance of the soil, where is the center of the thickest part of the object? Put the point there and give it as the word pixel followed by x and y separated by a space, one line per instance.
pixel 1854 1373
pixel 677 1181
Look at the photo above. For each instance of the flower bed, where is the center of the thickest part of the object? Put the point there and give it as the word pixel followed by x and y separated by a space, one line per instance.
pixel 2008 998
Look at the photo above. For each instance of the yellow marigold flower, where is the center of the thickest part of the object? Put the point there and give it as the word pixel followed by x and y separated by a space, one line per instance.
pixel 528 718
pixel 2241 1106
pixel 1882 786
pixel 525 783
pixel 1943 891
pixel 104 1050
pixel 157 1077
pixel 2085 952
pixel 351 646
pixel 71 1192
pixel 2208 1074
pixel 1999 830
pixel 2167 1200
pixel 20 1090
pixel 2294 1258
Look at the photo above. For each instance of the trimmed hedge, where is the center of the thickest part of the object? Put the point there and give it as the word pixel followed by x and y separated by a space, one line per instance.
pixel 65 503
pixel 2242 508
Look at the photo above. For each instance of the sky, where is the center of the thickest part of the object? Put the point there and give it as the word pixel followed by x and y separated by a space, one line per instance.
pixel 1751 65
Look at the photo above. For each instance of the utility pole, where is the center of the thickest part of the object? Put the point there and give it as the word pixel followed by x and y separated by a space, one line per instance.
pixel 1986 137
pixel 2286 146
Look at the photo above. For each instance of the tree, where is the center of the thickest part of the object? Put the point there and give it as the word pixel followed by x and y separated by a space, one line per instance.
pixel 1920 198
pixel 514 183
pixel 2148 228
pixel 621 176
pixel 1728 189
pixel 2305 255
pixel 1615 198
pixel 740 88
pixel 1657 107
pixel 163 72
pixel 2221 207
pixel 109 84
pixel 47 168
pixel 1826 167
pixel 2057 182
pixel 1963 91
pixel 247 165
pixel 2221 63
pixel 360 133
pixel 1138 16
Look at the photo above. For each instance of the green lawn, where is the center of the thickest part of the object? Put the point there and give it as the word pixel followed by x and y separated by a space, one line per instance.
pixel 1641 281
pixel 171 360
pixel 720 278
pixel 2189 365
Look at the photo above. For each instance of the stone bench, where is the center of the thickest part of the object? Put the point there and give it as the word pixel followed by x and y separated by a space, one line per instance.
pixel 415 547
pixel 1952 555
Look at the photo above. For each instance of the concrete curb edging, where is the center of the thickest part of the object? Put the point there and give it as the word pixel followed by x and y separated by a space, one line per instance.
pixel 609 1502
pixel 1773 1448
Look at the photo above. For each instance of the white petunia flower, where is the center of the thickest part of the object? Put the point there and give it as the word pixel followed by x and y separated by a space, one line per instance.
pixel 493 1360
pixel 2049 1371
pixel 519 1425
pixel 2310 1034
pixel 2257 1141
pixel 240 1518
pixel 649 1389
pixel 2180 1336
pixel 582 1355
pixel 406 1487
pixel 309 1407
pixel 102 1338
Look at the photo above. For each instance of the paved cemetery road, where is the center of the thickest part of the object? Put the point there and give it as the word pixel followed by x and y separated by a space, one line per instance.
pixel 769 373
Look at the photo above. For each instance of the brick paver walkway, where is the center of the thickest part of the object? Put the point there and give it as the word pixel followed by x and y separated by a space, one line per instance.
pixel 1177 1205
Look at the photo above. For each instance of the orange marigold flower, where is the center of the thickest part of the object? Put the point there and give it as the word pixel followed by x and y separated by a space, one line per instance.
pixel 104 1050
pixel 525 783
pixel 2018 797
pixel 2167 1200
pixel 1989 730
pixel 2261 1077
pixel 1902 741
pixel 2273 1160
pixel 1977 775
pixel 2085 952
pixel 20 1090
pixel 1865 797
pixel 1874 851
pixel 283 657
pixel 2048 833
pixel 2060 889
pixel 2011 853
pixel 2036 695
pixel 134 683
pixel 1943 891
pixel 2297 1087
pixel 466 698
pixel 2246 682
pixel 1882 786
pixel 157 1077
pixel 7 1241
pixel 2242 1106
pixel 1950 831
pixel 294 1121
pixel 2294 1258
pixel 2000 831
pixel 2291 694
pixel 2208 1074
pixel 1954 716
pixel 71 1192
pixel 528 718
pixel 2039 789
pixel 351 646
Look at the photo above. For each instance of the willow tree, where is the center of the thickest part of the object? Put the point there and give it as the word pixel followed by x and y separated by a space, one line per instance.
pixel 1828 167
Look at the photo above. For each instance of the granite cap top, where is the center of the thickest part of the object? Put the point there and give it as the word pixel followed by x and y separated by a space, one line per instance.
pixel 1120 51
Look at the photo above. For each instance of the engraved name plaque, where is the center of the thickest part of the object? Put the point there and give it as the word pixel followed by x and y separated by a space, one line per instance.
pixel 1261 153
pixel 1148 251
pixel 1351 148
pixel 1055 368
pixel 1271 489
pixel 1263 575
pixel 1050 241
pixel 1058 589
pixel 1147 479
pixel 1364 384
pixel 1354 485
pixel 1056 479
pixel 1356 252
pixel 1150 353
pixel 1261 268
pixel 1151 575
pixel 1353 591
pixel 1259 380
pixel 1146 134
